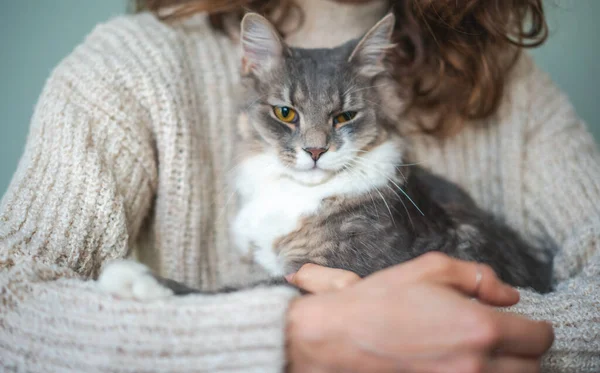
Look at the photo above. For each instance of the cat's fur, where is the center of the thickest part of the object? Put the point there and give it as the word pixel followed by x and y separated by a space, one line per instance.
pixel 359 206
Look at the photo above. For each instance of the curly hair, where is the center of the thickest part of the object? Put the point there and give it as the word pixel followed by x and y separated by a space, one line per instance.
pixel 451 57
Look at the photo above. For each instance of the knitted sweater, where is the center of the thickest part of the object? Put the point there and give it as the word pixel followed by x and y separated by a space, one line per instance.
pixel 129 149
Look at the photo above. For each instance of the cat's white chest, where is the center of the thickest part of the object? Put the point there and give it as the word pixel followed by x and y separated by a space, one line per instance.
pixel 273 210
pixel 272 205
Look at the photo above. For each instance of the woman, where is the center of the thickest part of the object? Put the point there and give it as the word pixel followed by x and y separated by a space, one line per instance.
pixel 129 146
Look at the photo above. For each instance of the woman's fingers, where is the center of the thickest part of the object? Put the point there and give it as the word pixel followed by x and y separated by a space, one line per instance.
pixel 490 364
pixel 480 281
pixel 470 278
pixel 519 336
pixel 318 279
pixel 491 289
pixel 512 364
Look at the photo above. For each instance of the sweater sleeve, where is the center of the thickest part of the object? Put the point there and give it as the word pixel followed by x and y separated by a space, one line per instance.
pixel 83 187
pixel 562 198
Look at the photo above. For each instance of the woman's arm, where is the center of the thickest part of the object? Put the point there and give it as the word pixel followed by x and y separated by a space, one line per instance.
pixel 562 181
pixel 84 185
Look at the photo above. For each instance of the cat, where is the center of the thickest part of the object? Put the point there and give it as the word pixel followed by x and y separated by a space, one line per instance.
pixel 324 174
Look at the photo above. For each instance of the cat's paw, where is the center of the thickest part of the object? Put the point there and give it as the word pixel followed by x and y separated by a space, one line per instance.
pixel 131 280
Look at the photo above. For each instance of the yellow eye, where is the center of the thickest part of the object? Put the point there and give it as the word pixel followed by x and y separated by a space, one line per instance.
pixel 285 114
pixel 343 117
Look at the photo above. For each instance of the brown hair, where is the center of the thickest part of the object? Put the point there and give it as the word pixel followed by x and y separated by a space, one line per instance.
pixel 452 55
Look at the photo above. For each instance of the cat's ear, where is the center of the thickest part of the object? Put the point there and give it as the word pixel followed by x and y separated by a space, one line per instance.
pixel 261 44
pixel 371 49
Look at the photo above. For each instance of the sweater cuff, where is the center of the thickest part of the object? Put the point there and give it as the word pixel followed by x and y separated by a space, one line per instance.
pixel 580 253
pixel 573 311
pixel 69 325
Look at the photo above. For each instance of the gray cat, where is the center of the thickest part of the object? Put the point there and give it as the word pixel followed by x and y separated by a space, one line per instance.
pixel 322 176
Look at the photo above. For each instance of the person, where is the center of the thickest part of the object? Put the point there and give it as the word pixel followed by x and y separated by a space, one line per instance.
pixel 128 154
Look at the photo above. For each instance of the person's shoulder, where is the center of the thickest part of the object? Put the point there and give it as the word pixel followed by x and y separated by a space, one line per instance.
pixel 532 95
pixel 145 30
pixel 137 54
pixel 145 41
pixel 526 82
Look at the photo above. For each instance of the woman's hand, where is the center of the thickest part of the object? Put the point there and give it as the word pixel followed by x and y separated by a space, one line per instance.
pixel 414 317
pixel 318 279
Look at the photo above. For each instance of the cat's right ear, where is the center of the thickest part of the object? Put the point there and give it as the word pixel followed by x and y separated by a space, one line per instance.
pixel 262 46
pixel 372 48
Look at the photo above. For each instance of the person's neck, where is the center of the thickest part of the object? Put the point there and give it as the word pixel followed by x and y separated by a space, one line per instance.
pixel 327 23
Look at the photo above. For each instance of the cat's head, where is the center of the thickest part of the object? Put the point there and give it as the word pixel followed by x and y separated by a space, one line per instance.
pixel 318 110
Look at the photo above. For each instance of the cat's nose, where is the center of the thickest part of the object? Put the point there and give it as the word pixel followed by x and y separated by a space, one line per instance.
pixel 315 153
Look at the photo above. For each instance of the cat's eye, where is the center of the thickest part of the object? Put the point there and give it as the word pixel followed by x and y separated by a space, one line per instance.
pixel 343 117
pixel 285 114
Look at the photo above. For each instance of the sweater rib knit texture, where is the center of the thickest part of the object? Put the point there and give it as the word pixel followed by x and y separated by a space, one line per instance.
pixel 130 146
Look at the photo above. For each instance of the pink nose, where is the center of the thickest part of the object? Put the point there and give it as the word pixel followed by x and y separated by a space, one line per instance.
pixel 315 153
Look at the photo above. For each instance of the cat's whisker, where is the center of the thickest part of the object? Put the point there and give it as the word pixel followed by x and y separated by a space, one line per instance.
pixel 349 90
pixel 402 174
pixel 388 207
pixel 400 165
pixel 365 163
pixel 370 165
pixel 374 103
pixel 391 162
pixel 399 198
pixel 224 208
pixel 233 169
pixel 351 86
pixel 358 174
pixel 407 196
pixel 410 164
pixel 254 102
pixel 366 182
pixel 369 87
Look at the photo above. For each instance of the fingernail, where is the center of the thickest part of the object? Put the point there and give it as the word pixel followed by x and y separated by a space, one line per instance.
pixel 290 277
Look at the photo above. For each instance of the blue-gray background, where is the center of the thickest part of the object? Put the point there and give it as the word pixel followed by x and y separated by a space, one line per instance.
pixel 36 34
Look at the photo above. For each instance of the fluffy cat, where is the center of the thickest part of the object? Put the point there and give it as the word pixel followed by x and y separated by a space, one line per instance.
pixel 323 175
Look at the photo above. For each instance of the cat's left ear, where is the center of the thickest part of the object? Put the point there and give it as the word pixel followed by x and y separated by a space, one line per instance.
pixel 262 46
pixel 371 49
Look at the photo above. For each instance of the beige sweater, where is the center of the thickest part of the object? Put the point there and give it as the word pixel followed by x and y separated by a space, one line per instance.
pixel 129 147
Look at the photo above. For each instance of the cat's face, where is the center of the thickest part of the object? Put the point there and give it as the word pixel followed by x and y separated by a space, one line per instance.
pixel 318 110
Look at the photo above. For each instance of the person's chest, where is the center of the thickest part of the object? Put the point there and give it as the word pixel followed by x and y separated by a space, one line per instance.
pixel 486 159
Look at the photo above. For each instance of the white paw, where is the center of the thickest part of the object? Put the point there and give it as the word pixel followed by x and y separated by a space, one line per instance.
pixel 131 280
